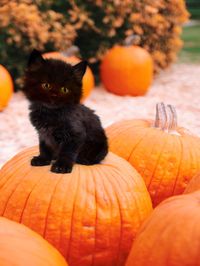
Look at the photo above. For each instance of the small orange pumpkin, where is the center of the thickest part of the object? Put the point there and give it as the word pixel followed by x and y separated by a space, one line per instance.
pixel 171 235
pixel 90 215
pixel 6 87
pixel 127 70
pixel 21 246
pixel 194 184
pixel 166 156
pixel 88 78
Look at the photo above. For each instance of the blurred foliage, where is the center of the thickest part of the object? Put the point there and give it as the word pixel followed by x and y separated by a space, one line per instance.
pixel 94 26
pixel 27 24
pixel 191 49
pixel 194 8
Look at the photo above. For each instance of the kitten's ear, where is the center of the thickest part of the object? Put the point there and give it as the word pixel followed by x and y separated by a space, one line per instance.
pixel 35 60
pixel 79 69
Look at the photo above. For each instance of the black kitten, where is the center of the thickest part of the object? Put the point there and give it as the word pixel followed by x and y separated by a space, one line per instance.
pixel 68 131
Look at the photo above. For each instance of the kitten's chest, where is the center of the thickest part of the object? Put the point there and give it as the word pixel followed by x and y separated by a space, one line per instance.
pixel 44 121
pixel 46 125
pixel 47 135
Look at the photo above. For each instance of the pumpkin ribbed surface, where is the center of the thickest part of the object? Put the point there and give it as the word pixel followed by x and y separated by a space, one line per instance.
pixel 166 160
pixel 90 215
pixel 88 78
pixel 194 184
pixel 6 87
pixel 171 235
pixel 20 246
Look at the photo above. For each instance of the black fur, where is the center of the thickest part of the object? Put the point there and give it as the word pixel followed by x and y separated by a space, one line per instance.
pixel 68 131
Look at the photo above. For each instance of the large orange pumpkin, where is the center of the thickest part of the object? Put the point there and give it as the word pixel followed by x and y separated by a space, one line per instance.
pixel 127 70
pixel 171 235
pixel 20 246
pixel 194 184
pixel 166 156
pixel 6 87
pixel 88 78
pixel 90 215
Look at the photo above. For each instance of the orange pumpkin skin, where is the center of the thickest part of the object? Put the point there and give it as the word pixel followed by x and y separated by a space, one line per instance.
pixel 88 78
pixel 194 184
pixel 21 246
pixel 166 161
pixel 170 236
pixel 6 87
pixel 127 70
pixel 91 215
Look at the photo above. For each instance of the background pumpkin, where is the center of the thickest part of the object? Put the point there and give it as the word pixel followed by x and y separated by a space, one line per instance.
pixel 194 184
pixel 20 246
pixel 6 87
pixel 127 70
pixel 88 78
pixel 166 156
pixel 171 235
pixel 91 215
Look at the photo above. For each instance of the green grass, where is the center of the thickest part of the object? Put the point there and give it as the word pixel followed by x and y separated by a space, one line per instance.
pixel 191 48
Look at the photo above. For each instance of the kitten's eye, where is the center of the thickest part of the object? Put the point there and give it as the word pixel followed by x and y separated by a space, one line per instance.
pixel 64 90
pixel 46 86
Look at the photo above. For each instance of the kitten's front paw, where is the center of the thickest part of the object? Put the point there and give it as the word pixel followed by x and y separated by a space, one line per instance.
pixel 39 161
pixel 61 168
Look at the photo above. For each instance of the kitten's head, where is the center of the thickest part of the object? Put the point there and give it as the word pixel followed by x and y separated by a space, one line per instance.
pixel 53 82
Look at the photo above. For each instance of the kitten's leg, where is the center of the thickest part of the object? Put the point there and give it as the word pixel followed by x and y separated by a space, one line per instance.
pixel 92 152
pixel 67 157
pixel 45 156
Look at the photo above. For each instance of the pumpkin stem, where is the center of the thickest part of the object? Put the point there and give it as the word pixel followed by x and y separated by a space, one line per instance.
pixel 173 120
pixel 166 118
pixel 133 39
pixel 161 116
pixel 72 50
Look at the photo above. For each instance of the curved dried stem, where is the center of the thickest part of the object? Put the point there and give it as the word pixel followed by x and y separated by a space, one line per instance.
pixel 161 116
pixel 72 50
pixel 166 117
pixel 173 124
pixel 133 39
